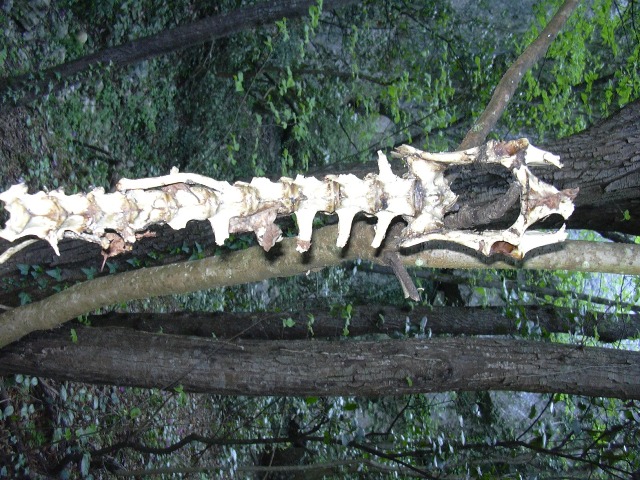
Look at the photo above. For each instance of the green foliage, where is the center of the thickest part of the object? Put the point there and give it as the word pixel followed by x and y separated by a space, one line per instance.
pixel 198 252
pixel 589 71
pixel 346 315
pixel 288 322
pixel 79 418
pixel 238 79
pixel 286 104
pixel 311 320
pixel 55 273
pixel 279 103
pixel 90 273
pixel 24 297
pixel 299 95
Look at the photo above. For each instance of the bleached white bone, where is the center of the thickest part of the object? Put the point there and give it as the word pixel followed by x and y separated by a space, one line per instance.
pixel 422 197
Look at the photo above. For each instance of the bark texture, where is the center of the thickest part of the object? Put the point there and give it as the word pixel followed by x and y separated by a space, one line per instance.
pixel 604 161
pixel 371 320
pixel 362 368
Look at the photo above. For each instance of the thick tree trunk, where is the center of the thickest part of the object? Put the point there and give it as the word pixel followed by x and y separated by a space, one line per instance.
pixel 167 41
pixel 365 368
pixel 604 161
pixel 370 320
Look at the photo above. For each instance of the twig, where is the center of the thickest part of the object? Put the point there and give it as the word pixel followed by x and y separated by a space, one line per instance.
pixel 500 285
pixel 509 82
pixel 391 257
pixel 618 237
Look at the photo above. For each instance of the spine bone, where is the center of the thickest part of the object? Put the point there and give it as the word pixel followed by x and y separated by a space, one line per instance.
pixel 422 197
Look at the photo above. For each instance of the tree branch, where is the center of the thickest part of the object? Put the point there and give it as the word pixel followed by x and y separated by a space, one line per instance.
pixel 509 83
pixel 167 41
pixel 253 265
pixel 373 320
pixel 324 368
pixel 470 217
pixel 501 284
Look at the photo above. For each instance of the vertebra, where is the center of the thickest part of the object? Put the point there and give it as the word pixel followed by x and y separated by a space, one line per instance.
pixel 422 197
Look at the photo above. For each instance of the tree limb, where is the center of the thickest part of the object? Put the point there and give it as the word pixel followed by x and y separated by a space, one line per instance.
pixel 509 83
pixel 372 321
pixel 501 284
pixel 253 264
pixel 619 237
pixel 325 368
pixel 167 41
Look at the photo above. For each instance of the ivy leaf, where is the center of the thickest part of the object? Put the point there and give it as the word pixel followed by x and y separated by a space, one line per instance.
pixel 55 273
pixel 89 272
pixel 237 80
pixel 24 298
pixel 8 411
pixel 314 13
pixel 351 406
pixel 24 269
pixel 85 463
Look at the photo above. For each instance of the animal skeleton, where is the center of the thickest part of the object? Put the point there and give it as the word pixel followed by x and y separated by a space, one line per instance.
pixel 422 197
